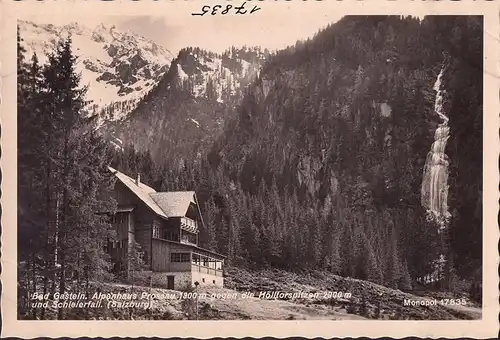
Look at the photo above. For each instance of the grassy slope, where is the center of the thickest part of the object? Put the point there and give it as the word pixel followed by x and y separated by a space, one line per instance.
pixel 367 298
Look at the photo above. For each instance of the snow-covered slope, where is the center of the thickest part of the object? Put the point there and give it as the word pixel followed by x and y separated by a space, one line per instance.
pixel 120 68
pixel 218 76
pixel 188 109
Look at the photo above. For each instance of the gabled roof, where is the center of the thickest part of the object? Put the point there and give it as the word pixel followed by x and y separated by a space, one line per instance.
pixel 142 191
pixel 164 204
pixel 174 203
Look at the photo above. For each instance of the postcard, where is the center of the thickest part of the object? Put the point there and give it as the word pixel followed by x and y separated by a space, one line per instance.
pixel 249 168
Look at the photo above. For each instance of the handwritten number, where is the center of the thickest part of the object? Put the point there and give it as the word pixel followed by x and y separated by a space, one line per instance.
pixel 215 8
pixel 240 9
pixel 228 7
pixel 254 9
pixel 204 9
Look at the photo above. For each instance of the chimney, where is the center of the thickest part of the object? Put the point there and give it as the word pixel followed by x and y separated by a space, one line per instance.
pixel 138 179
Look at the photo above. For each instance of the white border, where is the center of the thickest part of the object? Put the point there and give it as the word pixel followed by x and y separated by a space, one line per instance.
pixel 487 327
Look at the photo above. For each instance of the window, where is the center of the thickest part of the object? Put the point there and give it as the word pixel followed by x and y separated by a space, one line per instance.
pixel 180 257
pixel 140 257
pixel 171 235
pixel 119 218
pixel 187 237
pixel 196 259
pixel 156 231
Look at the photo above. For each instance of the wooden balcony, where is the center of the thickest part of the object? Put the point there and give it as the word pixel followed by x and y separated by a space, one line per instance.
pixel 206 270
pixel 195 260
pixel 189 225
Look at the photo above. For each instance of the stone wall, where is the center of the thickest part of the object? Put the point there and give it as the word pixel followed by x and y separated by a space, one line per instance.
pixel 207 279
pixel 182 280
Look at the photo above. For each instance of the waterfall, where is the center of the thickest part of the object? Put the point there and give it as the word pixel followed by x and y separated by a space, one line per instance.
pixel 435 177
pixel 435 182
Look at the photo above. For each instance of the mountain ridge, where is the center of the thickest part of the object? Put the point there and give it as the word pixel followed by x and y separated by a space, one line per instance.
pixel 119 67
pixel 191 103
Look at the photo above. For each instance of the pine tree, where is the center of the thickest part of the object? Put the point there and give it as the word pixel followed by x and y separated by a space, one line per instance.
pixel 78 158
pixel 210 220
pixel 347 254
pixel 66 102
pixel 26 229
pixel 406 281
pixel 394 268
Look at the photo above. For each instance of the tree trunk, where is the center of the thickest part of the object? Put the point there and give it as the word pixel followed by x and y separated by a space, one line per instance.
pixel 34 285
pixel 87 287
pixel 62 284
pixel 47 255
pixel 64 212
pixel 45 285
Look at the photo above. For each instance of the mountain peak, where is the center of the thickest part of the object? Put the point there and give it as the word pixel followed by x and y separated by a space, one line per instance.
pixel 119 67
pixel 191 103
pixel 72 26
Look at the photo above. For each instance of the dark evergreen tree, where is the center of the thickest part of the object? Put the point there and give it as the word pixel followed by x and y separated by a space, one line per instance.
pixel 64 170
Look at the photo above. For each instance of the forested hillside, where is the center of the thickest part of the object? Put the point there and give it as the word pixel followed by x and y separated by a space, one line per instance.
pixel 322 165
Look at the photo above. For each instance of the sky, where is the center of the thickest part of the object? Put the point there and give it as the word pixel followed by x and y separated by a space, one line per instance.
pixel 267 29
pixel 218 35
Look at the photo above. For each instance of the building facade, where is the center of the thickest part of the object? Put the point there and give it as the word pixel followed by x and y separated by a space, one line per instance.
pixel 161 228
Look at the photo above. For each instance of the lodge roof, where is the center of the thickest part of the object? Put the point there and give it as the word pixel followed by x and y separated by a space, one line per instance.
pixel 175 203
pixel 164 204
pixel 141 190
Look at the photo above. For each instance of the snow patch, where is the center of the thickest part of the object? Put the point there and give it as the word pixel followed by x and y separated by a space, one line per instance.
pixel 195 121
pixel 182 75
pixel 385 110
pixel 224 80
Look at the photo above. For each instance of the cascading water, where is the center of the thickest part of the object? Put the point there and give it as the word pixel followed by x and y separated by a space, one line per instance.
pixel 435 180
pixel 435 177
